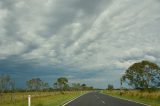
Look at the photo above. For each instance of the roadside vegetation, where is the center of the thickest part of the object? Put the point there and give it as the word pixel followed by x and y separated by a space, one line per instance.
pixel 150 98
pixel 38 98
pixel 41 93
pixel 144 79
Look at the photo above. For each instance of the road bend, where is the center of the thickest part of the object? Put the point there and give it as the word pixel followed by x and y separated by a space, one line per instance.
pixel 98 99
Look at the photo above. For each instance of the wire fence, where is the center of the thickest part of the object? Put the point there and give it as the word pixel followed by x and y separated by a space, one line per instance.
pixel 21 99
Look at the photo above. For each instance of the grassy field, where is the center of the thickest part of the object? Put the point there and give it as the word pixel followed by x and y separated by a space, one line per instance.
pixel 150 98
pixel 38 98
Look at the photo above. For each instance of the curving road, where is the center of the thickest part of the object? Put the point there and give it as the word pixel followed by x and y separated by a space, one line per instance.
pixel 98 99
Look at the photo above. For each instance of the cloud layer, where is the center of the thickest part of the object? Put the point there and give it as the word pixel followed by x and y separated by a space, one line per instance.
pixel 89 41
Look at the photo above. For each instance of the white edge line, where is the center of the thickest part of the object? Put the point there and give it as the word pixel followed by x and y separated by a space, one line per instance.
pixel 73 99
pixel 127 100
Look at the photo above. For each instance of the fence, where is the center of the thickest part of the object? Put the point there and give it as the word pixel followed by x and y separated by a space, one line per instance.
pixel 36 98
pixel 21 99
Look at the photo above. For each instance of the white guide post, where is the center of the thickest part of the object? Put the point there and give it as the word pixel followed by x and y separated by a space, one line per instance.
pixel 29 100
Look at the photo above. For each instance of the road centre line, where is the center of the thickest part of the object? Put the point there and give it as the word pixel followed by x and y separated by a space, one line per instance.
pixel 100 99
pixel 103 102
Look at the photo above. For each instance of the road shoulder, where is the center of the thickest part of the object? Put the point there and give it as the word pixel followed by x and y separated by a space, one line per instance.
pixel 127 99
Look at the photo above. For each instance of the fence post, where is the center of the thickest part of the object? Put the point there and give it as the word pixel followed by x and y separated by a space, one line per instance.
pixel 29 100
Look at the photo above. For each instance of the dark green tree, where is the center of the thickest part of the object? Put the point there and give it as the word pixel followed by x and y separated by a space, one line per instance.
pixel 55 85
pixel 84 86
pixel 142 75
pixel 110 87
pixel 62 81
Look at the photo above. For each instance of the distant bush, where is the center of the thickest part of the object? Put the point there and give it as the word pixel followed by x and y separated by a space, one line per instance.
pixel 110 87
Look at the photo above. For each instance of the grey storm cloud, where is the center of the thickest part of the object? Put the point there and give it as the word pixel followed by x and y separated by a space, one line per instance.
pixel 78 36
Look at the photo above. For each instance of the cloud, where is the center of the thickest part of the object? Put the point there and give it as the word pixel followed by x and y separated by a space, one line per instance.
pixel 82 36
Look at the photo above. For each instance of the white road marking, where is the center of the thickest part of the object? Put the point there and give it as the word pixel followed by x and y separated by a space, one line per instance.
pixel 103 102
pixel 96 96
pixel 128 100
pixel 73 99
pixel 100 100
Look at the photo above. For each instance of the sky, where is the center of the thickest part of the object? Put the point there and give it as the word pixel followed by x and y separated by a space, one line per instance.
pixel 87 41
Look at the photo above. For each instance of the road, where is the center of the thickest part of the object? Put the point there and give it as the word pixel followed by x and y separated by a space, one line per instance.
pixel 98 99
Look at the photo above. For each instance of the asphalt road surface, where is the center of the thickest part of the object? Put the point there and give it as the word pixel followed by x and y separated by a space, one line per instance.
pixel 98 99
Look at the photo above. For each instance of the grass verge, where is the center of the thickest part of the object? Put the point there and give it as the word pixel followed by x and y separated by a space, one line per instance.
pixel 38 98
pixel 150 98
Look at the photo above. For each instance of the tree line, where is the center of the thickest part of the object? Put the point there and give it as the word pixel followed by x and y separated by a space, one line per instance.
pixel 61 84
pixel 7 84
pixel 141 75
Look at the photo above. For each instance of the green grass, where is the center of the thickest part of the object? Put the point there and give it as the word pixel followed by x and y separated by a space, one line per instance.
pixel 38 98
pixel 150 98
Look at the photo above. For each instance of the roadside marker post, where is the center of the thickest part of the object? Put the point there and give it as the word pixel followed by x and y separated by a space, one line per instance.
pixel 29 100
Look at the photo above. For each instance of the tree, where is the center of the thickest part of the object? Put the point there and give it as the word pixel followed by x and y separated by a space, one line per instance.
pixel 6 83
pixel 45 85
pixel 66 87
pixel 35 84
pixel 76 86
pixel 142 75
pixel 12 85
pixel 62 81
pixel 55 85
pixel 29 84
pixel 83 85
pixel 110 87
